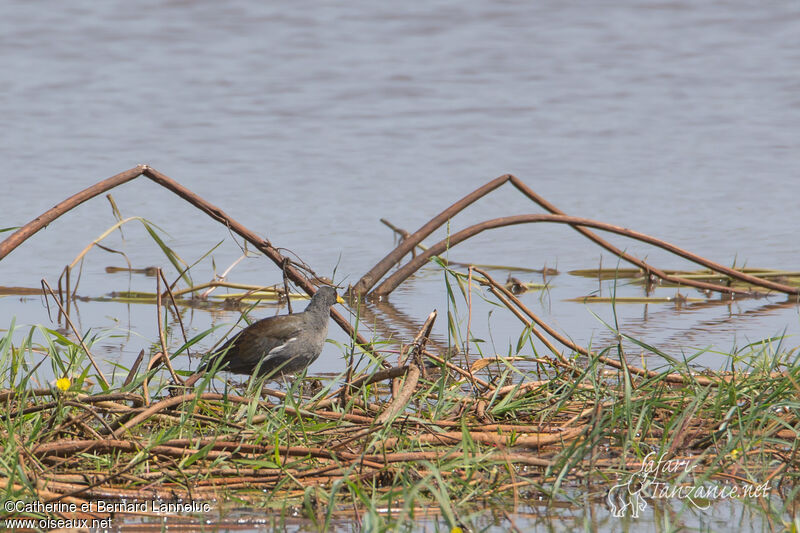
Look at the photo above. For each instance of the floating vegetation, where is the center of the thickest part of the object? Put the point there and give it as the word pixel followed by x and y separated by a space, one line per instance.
pixel 679 299
pixel 147 271
pixel 429 435
pixel 383 443
pixel 518 286
pixel 789 278
pixel 21 291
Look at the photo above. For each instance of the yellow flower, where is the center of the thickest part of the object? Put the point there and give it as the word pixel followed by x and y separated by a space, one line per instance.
pixel 63 383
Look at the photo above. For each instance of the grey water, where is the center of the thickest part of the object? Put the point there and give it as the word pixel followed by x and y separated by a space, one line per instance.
pixel 308 122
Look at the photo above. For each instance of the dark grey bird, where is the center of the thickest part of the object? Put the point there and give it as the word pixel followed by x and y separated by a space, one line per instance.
pixel 277 345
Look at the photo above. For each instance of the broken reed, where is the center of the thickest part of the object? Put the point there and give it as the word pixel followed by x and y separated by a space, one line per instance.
pixel 451 437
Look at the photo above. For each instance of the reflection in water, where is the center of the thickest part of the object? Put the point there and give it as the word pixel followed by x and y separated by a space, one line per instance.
pixel 686 326
pixel 391 323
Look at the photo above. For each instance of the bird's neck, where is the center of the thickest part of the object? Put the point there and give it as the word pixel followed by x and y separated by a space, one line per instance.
pixel 315 307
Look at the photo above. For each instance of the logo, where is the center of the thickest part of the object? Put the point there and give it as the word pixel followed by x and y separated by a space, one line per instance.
pixel 628 495
pixel 652 482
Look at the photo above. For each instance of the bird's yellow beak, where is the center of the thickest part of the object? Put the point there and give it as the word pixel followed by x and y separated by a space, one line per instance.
pixel 339 299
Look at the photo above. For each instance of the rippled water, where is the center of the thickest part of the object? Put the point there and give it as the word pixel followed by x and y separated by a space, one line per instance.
pixel 309 123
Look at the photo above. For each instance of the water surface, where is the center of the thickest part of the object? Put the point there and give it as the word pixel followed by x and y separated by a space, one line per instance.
pixel 308 124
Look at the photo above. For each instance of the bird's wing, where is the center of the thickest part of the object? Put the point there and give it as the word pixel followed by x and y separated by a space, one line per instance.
pixel 260 345
pixel 281 329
